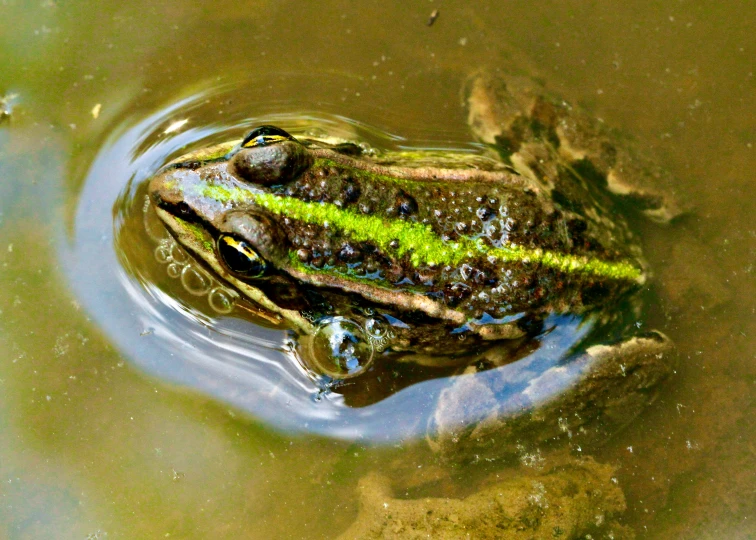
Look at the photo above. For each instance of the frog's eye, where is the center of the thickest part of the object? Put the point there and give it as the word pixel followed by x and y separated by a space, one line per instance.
pixel 240 257
pixel 265 135
pixel 269 156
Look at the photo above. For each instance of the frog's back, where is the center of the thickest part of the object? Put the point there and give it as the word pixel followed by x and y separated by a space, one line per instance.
pixel 480 240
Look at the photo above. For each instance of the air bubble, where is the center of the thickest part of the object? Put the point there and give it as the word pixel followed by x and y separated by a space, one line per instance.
pixel 195 281
pixel 163 253
pixel 222 300
pixel 179 255
pixel 174 270
pixel 376 327
pixel 153 225
pixel 340 348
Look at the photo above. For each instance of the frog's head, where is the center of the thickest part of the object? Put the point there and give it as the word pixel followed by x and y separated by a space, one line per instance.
pixel 210 201
pixel 225 206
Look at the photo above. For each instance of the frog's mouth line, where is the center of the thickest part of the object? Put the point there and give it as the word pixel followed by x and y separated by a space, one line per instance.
pixel 197 240
pixel 419 241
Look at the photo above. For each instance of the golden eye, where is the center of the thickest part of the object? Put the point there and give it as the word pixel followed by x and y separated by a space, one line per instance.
pixel 265 135
pixel 240 257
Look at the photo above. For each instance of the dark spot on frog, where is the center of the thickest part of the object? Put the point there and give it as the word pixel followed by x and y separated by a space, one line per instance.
pixel 586 169
pixel 566 203
pixel 542 112
pixel 608 153
pixel 395 273
pixel 540 131
pixel 456 292
pixel 347 149
pixel 509 141
pixel 577 227
pixel 595 292
pixel 191 164
pixel 405 204
pixel 538 293
pixel 368 248
pixel 644 201
pixel 351 191
pixel 349 253
pixel 506 146
pixel 325 172
pixel 543 118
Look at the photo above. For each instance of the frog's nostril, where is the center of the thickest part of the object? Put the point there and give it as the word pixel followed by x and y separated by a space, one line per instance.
pixel 183 209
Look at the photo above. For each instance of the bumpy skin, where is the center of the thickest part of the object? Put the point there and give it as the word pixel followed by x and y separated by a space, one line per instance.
pixel 447 243
pixel 585 398
pixel 444 245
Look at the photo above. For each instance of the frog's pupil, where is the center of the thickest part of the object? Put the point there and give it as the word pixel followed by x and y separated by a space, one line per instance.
pixel 240 257
pixel 264 135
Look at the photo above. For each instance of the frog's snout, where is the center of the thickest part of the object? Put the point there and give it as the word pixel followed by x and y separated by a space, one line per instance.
pixel 164 189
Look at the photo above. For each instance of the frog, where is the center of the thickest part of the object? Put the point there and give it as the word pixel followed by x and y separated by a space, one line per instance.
pixel 436 256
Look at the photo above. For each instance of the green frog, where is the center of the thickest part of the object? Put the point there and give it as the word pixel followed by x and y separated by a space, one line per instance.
pixel 434 255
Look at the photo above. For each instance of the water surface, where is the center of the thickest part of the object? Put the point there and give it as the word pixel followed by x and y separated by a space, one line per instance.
pixel 93 444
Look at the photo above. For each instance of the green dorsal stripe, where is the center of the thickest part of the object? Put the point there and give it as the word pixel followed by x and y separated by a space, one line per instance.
pixel 417 240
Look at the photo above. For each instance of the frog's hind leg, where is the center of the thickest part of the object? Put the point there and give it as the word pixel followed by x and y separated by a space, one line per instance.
pixel 509 114
pixel 540 135
pixel 625 170
pixel 581 402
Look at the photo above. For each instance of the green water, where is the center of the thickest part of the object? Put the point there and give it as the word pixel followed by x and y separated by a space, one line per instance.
pixel 91 446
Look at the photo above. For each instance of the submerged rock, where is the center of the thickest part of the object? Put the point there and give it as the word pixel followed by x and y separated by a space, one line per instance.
pixel 572 499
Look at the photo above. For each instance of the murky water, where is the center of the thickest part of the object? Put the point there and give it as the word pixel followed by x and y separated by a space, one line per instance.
pixel 97 440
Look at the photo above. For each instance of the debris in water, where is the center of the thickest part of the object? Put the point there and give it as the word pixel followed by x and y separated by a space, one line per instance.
pixel 6 106
pixel 433 16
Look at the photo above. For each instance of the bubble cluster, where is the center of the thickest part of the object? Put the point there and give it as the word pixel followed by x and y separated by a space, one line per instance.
pixel 378 332
pixel 195 280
